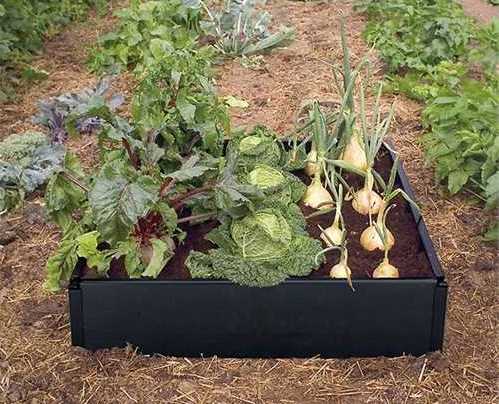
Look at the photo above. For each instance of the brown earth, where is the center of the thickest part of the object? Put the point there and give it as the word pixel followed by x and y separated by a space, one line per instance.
pixel 38 365
pixel 481 10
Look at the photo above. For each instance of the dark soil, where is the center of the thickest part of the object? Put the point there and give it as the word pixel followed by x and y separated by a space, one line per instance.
pixel 407 255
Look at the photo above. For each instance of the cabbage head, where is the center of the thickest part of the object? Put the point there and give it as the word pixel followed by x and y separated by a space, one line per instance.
pixel 277 185
pixel 262 249
pixel 260 146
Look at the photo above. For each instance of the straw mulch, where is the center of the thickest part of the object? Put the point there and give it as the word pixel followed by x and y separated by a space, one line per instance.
pixel 38 365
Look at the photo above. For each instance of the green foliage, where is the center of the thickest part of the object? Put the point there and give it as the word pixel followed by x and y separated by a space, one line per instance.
pixel 23 26
pixel 19 148
pixel 63 197
pixel 146 30
pixel 161 253
pixel 463 138
pixel 62 263
pixel 416 34
pixel 118 202
pixel 261 249
pixel 492 233
pixel 277 185
pixel 486 52
pixel 241 29
pixel 260 146
pixel 446 76
pixel 19 179
pixel 125 203
pixel 177 95
pixel 451 66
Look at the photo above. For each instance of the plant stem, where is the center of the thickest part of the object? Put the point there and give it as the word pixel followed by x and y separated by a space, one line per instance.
pixel 74 180
pixel 196 217
pixel 133 157
pixel 179 200
pixel 166 186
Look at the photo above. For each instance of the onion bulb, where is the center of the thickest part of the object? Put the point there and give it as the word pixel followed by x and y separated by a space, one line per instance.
pixel 340 270
pixel 317 196
pixel 366 201
pixel 354 153
pixel 386 270
pixel 333 235
pixel 370 239
pixel 312 166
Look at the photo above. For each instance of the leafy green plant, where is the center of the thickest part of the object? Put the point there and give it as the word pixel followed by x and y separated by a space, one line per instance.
pixel 128 203
pixel 24 24
pixel 486 52
pixel 18 148
pixel 463 137
pixel 176 94
pixel 450 65
pixel 241 29
pixel 416 34
pixel 145 30
pixel 261 249
pixel 20 178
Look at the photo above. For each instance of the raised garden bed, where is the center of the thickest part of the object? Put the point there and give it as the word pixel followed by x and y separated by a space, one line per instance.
pixel 302 317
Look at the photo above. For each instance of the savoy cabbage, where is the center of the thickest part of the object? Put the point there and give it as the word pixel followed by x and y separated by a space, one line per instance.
pixel 262 249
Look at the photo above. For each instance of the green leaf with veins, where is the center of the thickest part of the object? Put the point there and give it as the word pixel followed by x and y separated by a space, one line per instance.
pixel 262 249
pixel 88 248
pixel 161 254
pixel 118 203
pixel 190 169
pixel 187 110
pixel 62 263
pixel 63 197
pixel 492 191
pixel 132 260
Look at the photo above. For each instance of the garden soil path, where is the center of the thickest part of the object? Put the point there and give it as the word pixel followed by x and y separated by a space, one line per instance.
pixel 38 365
pixel 481 10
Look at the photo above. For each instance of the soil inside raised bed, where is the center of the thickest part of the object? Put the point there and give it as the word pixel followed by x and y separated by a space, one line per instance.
pixel 408 253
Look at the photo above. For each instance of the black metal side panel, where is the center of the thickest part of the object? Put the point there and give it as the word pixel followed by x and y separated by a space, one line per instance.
pixel 439 310
pixel 295 319
pixel 76 314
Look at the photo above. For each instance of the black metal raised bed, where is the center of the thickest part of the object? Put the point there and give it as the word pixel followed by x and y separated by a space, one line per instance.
pixel 298 318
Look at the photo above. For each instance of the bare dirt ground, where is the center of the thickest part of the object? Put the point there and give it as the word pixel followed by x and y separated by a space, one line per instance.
pixel 38 365
pixel 481 10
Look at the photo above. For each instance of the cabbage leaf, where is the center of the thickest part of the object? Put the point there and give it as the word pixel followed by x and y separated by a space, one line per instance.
pixel 262 249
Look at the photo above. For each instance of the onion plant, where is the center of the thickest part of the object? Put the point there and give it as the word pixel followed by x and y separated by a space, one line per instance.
pixel 366 200
pixel 370 238
pixel 316 195
pixel 334 234
pixel 341 270
pixel 385 269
